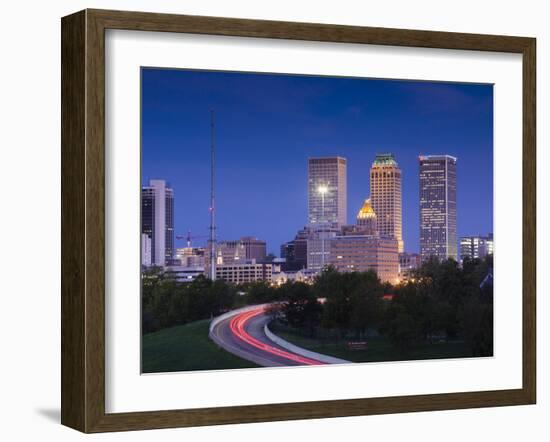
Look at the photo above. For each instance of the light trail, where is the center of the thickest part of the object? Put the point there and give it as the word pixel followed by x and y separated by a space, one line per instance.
pixel 237 326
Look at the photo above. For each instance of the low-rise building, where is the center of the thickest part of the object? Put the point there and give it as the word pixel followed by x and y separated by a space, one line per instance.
pixel 476 247
pixel 240 250
pixel 184 274
pixel 408 263
pixel 318 245
pixel 244 272
pixel 304 275
pixel 191 256
pixel 360 253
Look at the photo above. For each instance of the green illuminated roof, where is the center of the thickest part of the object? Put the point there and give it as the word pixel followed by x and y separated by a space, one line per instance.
pixel 385 159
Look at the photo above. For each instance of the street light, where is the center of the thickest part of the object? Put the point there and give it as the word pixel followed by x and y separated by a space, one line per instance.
pixel 323 190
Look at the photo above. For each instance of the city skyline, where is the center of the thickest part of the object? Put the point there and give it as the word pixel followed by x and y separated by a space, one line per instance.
pixel 277 194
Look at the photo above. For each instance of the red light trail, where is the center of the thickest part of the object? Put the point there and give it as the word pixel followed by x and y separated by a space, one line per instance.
pixel 237 326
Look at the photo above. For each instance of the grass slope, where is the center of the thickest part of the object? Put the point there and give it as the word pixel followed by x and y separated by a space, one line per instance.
pixel 186 347
pixel 379 349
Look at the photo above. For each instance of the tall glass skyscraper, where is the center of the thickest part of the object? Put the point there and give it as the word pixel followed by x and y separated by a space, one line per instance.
pixel 327 191
pixel 385 192
pixel 438 207
pixel 157 221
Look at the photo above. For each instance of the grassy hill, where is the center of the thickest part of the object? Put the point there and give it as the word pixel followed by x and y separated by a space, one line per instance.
pixel 186 347
pixel 379 348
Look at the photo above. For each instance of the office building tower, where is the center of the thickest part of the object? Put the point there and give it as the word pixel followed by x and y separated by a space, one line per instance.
pixel 295 252
pixel 157 220
pixel 254 248
pixel 438 207
pixel 327 191
pixel 145 250
pixel 288 253
pixel 385 187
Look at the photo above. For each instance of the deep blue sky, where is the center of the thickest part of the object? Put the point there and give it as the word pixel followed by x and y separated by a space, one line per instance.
pixel 268 125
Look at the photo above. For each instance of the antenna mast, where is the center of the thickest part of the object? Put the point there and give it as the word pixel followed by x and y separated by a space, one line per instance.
pixel 212 199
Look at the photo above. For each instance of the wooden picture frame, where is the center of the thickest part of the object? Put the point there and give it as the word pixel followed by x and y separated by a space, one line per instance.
pixel 83 220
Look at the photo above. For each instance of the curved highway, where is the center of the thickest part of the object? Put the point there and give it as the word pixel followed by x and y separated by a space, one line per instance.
pixel 243 335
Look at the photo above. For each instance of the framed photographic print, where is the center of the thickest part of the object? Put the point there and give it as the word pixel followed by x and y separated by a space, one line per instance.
pixel 269 220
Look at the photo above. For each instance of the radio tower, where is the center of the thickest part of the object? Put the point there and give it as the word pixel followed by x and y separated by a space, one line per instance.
pixel 212 200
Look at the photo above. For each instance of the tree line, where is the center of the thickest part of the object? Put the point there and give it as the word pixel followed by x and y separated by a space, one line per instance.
pixel 165 302
pixel 441 300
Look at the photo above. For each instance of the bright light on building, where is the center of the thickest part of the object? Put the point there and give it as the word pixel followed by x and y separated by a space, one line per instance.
pixel 327 191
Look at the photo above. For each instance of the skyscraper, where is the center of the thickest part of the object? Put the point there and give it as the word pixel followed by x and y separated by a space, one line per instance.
pixel 145 250
pixel 385 188
pixel 438 206
pixel 327 191
pixel 157 220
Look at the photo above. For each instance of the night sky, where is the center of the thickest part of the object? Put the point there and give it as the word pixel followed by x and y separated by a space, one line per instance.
pixel 268 125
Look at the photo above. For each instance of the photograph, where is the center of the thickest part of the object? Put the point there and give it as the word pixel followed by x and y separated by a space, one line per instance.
pixel 303 220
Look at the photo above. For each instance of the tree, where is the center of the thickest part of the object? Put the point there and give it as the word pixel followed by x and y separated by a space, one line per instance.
pixel 166 302
pixel 443 290
pixel 259 292
pixel 353 300
pixel 161 305
pixel 198 300
pixel 300 308
pixel 403 330
pixel 477 324
pixel 335 289
pixel 223 297
pixel 366 304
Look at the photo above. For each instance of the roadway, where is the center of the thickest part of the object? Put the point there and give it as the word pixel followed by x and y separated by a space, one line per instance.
pixel 243 335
